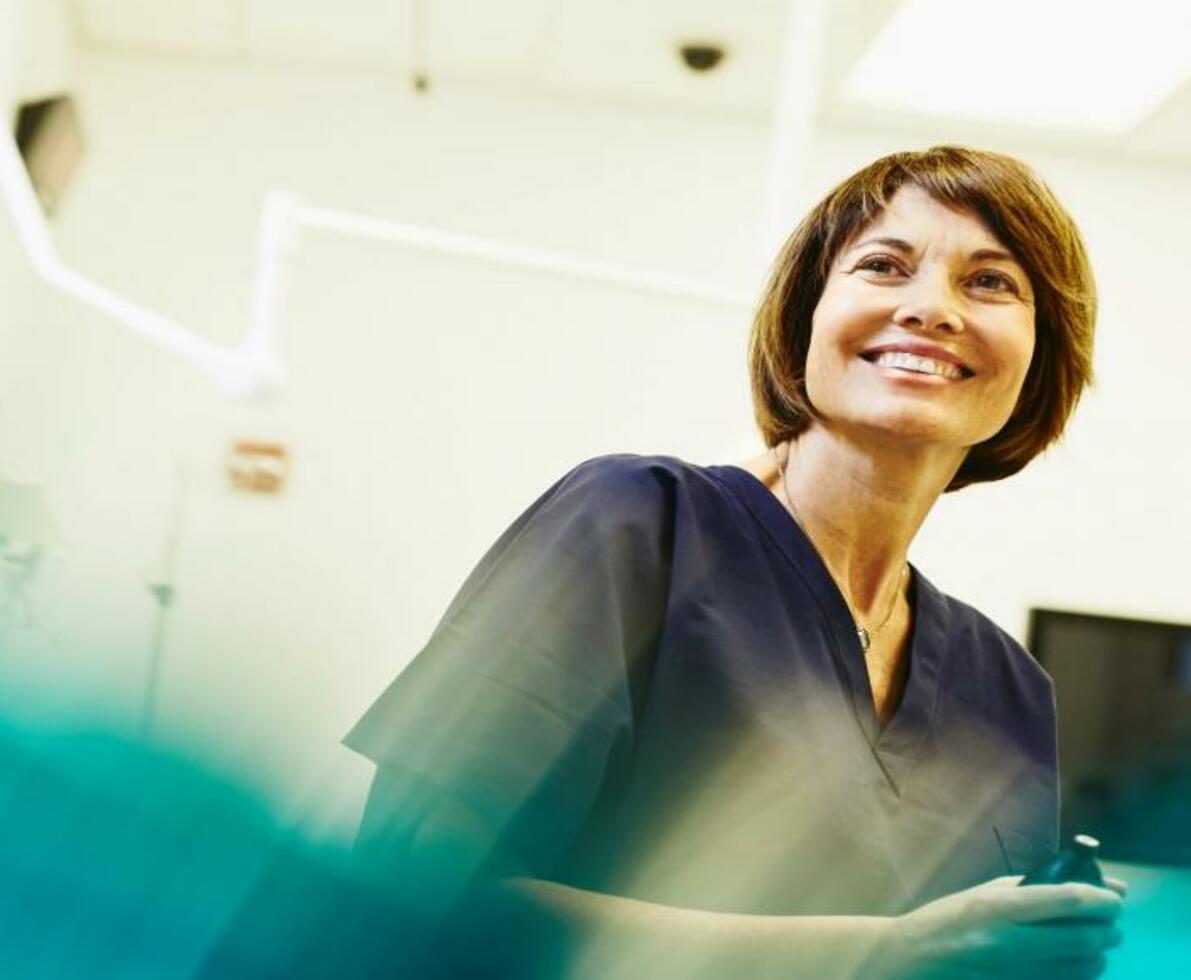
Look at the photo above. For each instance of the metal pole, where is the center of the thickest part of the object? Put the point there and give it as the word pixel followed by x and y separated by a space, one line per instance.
pixel 163 592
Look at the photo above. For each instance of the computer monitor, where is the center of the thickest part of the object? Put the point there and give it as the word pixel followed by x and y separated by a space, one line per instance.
pixel 1123 688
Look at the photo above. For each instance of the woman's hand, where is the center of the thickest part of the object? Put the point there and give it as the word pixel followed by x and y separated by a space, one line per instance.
pixel 998 929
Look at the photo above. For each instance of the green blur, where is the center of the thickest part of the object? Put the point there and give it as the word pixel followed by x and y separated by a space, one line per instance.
pixel 124 861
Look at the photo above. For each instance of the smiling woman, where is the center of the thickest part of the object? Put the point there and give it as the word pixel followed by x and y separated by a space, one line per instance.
pixel 1026 257
pixel 688 720
pixel 928 340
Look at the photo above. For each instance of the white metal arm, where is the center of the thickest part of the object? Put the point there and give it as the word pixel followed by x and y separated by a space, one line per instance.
pixel 237 371
pixel 253 367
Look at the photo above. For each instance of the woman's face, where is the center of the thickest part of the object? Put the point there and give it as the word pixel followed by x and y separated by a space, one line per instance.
pixel 925 328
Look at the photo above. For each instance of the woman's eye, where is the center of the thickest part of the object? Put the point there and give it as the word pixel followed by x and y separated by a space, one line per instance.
pixel 988 281
pixel 878 264
pixel 994 281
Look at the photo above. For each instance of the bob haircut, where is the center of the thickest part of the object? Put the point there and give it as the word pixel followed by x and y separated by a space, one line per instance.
pixel 1021 211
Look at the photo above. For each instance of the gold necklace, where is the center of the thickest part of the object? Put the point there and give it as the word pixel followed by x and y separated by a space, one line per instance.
pixel 865 636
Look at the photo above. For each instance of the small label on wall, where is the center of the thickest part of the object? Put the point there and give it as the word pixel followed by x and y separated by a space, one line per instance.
pixel 258 467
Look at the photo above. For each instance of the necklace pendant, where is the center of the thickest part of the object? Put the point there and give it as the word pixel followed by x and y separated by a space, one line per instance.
pixel 865 639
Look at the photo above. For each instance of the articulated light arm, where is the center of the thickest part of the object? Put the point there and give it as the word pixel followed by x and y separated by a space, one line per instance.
pixel 253 367
pixel 238 372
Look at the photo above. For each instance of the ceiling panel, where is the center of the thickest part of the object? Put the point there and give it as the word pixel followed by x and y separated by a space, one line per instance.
pixel 206 27
pixel 629 50
pixel 622 50
pixel 485 40
pixel 367 34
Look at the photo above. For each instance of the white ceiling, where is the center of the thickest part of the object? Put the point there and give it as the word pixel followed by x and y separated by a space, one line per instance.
pixel 622 50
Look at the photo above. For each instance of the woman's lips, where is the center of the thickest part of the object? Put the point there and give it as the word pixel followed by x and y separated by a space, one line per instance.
pixel 919 358
pixel 917 364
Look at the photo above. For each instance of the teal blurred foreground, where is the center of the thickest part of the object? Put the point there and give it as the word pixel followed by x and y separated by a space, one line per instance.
pixel 124 861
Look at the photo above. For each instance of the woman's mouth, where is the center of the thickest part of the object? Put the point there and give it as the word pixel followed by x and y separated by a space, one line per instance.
pixel 917 364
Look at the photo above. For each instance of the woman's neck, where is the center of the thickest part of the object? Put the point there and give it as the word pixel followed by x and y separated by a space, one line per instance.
pixel 861 503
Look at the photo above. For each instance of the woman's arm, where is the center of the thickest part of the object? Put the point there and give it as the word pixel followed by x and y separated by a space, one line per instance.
pixel 530 928
pixel 447 869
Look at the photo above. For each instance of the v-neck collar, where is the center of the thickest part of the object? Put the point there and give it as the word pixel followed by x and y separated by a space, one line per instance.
pixel 895 745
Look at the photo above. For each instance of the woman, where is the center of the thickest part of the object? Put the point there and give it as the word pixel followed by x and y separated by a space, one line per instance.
pixel 688 720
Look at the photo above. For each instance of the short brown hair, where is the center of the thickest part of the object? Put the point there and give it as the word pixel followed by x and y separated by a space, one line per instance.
pixel 1021 211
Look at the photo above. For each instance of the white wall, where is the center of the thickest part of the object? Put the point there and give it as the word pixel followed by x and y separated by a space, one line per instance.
pixel 430 400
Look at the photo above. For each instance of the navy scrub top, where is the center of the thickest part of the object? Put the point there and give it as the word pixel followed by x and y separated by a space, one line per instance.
pixel 651 686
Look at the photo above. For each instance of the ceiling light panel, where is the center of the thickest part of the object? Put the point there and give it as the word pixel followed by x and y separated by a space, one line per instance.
pixel 1091 65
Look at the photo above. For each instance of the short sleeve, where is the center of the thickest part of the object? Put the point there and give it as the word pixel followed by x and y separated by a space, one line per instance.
pixel 528 683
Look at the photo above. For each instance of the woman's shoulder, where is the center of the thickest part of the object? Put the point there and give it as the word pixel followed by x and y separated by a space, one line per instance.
pixel 654 496
pixel 637 466
pixel 617 502
pixel 618 482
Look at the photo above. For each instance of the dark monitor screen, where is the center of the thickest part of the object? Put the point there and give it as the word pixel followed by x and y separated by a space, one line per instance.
pixel 1123 688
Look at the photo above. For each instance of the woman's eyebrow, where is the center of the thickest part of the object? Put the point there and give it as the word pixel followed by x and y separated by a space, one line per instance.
pixel 895 243
pixel 901 245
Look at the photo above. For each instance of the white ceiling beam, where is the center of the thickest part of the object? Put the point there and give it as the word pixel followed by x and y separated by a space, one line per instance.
pixel 794 117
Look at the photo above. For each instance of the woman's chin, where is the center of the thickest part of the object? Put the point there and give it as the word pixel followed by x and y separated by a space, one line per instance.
pixel 913 429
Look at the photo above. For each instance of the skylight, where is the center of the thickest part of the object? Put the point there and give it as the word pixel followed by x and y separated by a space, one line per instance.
pixel 1093 65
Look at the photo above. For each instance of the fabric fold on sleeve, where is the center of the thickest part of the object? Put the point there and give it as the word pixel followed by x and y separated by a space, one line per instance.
pixel 515 705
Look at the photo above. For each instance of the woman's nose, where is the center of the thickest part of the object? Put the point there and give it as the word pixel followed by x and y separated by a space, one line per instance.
pixel 930 304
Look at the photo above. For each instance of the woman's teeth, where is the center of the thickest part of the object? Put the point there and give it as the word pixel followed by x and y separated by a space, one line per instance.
pixel 918 364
